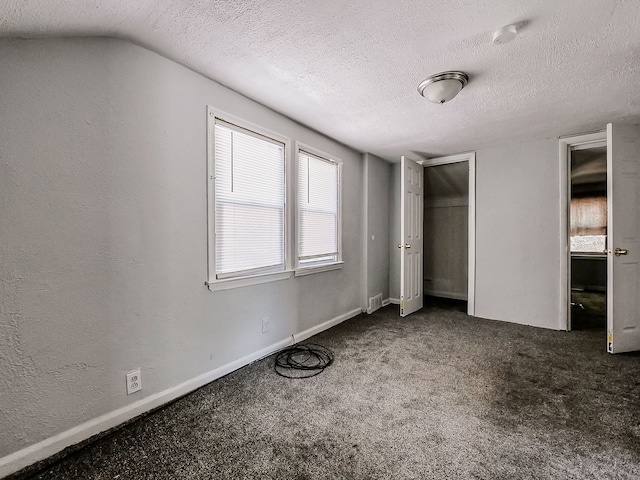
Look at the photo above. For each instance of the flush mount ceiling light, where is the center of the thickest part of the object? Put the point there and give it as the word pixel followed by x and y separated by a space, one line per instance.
pixel 443 86
pixel 504 35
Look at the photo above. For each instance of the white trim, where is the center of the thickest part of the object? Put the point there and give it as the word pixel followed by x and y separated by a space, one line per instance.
pixel 212 115
pixel 471 273
pixel 230 283
pixel 211 193
pixel 298 146
pixel 50 446
pixel 394 301
pixel 46 448
pixel 471 266
pixel 457 158
pixel 310 332
pixel 564 145
pixel 581 139
pixel 364 260
pixel 301 272
pixel 386 301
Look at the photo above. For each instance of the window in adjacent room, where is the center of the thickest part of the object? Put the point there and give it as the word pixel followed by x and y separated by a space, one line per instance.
pixel 249 202
pixel 589 224
pixel 588 211
pixel 318 210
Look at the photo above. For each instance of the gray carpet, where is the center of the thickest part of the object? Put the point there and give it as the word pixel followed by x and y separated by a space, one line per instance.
pixel 589 310
pixel 434 395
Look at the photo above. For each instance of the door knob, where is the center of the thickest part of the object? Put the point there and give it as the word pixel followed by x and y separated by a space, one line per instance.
pixel 620 251
pixel 406 245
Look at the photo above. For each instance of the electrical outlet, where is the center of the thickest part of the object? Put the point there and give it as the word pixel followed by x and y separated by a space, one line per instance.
pixel 134 381
pixel 265 324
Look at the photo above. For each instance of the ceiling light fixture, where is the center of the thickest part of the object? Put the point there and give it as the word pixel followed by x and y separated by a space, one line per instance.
pixel 504 35
pixel 443 86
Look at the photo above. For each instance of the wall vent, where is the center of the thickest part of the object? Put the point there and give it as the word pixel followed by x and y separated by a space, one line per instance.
pixel 375 303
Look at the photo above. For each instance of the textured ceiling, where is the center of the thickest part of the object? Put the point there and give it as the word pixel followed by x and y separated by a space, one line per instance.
pixel 351 69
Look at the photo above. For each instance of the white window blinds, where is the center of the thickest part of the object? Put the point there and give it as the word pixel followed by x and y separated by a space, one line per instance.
pixel 249 202
pixel 318 210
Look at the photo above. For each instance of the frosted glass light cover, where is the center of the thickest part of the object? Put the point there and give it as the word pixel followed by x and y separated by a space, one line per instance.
pixel 443 86
pixel 442 91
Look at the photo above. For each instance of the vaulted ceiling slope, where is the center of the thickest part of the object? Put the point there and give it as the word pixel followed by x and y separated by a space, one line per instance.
pixel 350 69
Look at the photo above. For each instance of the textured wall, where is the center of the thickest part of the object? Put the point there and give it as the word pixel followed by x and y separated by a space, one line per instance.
pixel 103 235
pixel 378 172
pixel 518 233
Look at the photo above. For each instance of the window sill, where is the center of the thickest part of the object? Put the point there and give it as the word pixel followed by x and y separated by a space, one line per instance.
pixel 229 283
pixel 301 272
pixel 588 255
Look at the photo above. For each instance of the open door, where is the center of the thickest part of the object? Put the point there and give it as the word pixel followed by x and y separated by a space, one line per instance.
pixel 623 229
pixel 411 205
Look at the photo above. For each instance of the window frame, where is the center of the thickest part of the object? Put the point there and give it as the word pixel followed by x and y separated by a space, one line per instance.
pixel 253 278
pixel 301 270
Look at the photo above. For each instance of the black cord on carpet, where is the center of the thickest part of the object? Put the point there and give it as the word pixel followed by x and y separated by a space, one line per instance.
pixel 303 361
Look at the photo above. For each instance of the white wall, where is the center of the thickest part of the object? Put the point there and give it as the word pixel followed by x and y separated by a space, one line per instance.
pixel 517 233
pixel 103 235
pixel 378 171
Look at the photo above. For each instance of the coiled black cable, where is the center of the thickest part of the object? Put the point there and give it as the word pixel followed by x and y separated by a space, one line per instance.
pixel 303 361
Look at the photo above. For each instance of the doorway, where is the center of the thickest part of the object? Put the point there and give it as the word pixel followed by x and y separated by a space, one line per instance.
pixel 588 238
pixel 569 151
pixel 622 143
pixel 450 184
pixel 446 231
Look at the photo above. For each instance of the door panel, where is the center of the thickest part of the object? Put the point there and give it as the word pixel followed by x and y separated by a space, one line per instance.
pixel 623 229
pixel 411 297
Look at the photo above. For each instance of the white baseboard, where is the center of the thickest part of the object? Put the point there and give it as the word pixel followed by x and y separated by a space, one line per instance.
pixel 46 448
pixel 310 332
pixel 394 301
pixel 386 302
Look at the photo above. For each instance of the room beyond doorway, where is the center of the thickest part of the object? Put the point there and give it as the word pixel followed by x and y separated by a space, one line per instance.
pixel 446 230
pixel 588 238
pixel 448 304
pixel 462 160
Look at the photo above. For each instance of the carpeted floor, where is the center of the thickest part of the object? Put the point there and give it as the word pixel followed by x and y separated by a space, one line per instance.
pixel 434 395
pixel 589 310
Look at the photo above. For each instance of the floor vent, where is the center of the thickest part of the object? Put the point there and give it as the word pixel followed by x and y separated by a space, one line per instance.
pixel 375 303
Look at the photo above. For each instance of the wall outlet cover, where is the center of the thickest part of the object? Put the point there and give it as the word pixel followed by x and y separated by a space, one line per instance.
pixel 134 381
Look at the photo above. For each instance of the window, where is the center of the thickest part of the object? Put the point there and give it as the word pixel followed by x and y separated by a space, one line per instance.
pixel 318 210
pixel 588 208
pixel 249 202
pixel 589 224
pixel 262 227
